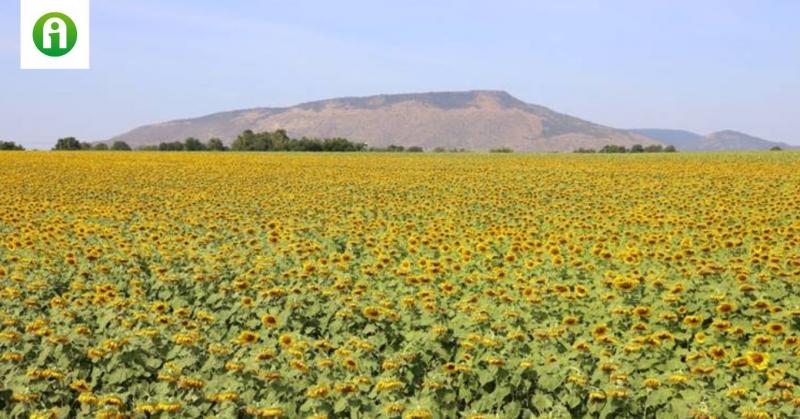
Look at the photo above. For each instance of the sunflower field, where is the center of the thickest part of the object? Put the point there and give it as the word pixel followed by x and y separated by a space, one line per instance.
pixel 394 285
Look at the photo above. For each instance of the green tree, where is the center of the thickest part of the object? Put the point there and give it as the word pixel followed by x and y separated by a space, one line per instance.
pixel 611 148
pixel 10 145
pixel 279 140
pixel 172 146
pixel 100 147
pixel 215 144
pixel 775 148
pixel 670 149
pixel 637 148
pixel 341 144
pixel 193 144
pixel 67 143
pixel 120 146
pixel 307 144
pixel 249 141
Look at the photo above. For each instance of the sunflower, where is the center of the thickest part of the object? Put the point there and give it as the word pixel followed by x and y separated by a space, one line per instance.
pixel 597 397
pixel 736 392
pixel 758 360
pixel 372 313
pixel 418 414
pixel 298 365
pixel 693 321
pixel 450 368
pixel 388 385
pixel 600 331
pixel 725 308
pixel 318 392
pixel 570 321
pixel 350 363
pixel 345 388
pixel 80 386
pixel 190 383
pixel 717 352
pixel 247 337
pixel 775 328
pixel 394 408
pixel 286 340
pixel 678 379
pixel 269 321
pixel 762 340
pixel 265 412
pixel 652 383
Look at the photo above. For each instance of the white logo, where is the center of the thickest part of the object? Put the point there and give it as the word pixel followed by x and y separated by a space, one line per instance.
pixel 54 34
pixel 57 26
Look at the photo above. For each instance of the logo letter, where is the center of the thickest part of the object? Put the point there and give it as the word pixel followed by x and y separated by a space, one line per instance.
pixel 55 26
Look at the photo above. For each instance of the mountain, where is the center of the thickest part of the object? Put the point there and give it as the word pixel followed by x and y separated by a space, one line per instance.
pixel 734 140
pixel 716 141
pixel 474 120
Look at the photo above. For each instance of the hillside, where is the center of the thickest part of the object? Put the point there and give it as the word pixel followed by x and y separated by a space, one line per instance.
pixel 717 141
pixel 474 120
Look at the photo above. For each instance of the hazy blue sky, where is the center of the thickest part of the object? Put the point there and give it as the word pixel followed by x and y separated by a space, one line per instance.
pixel 701 65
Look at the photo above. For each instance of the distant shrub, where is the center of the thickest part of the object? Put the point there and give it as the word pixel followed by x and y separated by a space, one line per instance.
pixel 501 150
pixel 336 144
pixel 636 148
pixel 654 148
pixel 193 144
pixel 279 141
pixel 775 148
pixel 120 146
pixel 67 143
pixel 173 146
pixel 215 144
pixel 585 150
pixel 10 146
pixel 611 148
pixel 415 149
pixel 100 147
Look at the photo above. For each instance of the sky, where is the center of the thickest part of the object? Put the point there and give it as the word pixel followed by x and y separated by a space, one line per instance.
pixel 697 65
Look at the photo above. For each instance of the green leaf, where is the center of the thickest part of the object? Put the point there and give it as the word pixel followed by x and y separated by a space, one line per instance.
pixel 340 405
pixel 658 397
pixel 119 375
pixel 680 408
pixel 541 402
pixel 549 382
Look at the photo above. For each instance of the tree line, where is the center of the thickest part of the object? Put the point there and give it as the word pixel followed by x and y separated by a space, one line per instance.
pixel 636 148
pixel 10 145
pixel 248 140
pixel 71 143
pixel 279 140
